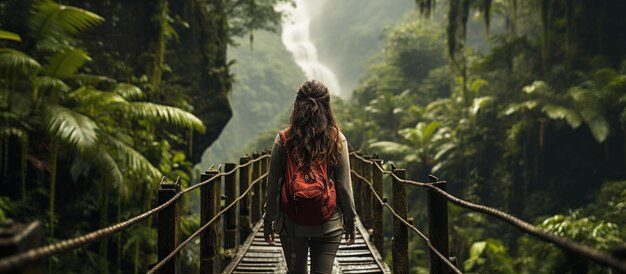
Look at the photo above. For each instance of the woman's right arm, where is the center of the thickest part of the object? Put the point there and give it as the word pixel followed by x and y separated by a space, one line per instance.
pixel 344 187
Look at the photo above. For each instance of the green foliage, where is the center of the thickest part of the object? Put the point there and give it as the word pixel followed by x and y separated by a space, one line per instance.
pixel 517 126
pixel 588 230
pixel 53 24
pixel 7 35
pixel 263 91
pixel 12 61
pixel 489 256
pixel 93 135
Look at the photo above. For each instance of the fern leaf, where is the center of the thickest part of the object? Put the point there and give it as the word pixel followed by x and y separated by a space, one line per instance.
pixel 597 124
pixel 47 82
pixel 167 114
pixel 128 91
pixel 94 98
pixel 7 35
pixel 14 60
pixel 65 63
pixel 133 159
pixel 429 130
pixel 392 148
pixel 108 168
pixel 479 103
pixel 84 79
pixel 59 22
pixel 70 127
pixel 560 112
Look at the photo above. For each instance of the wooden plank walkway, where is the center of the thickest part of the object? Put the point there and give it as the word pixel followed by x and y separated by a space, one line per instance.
pixel 256 256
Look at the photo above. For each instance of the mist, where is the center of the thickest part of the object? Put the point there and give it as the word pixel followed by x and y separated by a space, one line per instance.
pixel 329 41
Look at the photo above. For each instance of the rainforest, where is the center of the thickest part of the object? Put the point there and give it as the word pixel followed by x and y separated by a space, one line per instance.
pixel 517 105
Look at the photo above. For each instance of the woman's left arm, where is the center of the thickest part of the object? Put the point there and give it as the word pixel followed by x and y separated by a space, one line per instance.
pixel 273 190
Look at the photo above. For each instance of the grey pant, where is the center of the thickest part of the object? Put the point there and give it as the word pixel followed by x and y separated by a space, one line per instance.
pixel 323 251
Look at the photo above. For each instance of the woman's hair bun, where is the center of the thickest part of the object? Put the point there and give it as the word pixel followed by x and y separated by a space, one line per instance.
pixel 313 89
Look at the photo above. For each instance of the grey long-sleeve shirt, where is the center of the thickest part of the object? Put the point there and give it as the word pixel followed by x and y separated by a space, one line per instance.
pixel 273 208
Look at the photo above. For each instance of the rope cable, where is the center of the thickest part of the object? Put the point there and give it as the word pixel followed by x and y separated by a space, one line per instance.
pixel 562 242
pixel 195 234
pixel 409 225
pixel 14 261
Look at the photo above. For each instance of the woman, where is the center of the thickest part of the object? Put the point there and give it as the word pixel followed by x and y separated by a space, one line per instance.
pixel 311 140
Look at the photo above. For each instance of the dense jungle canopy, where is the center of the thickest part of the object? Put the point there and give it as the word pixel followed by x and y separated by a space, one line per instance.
pixel 519 105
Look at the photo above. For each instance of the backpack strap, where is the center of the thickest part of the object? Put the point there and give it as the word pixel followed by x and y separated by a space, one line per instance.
pixel 291 171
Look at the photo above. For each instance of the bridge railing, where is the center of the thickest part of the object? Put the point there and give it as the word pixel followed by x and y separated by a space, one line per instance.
pixel 244 185
pixel 368 176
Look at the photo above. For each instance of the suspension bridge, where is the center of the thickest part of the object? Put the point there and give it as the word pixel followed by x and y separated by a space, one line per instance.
pixel 231 233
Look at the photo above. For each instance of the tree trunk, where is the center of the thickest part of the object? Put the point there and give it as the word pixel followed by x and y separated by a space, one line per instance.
pixel 201 57
pixel 104 213
pixel 53 182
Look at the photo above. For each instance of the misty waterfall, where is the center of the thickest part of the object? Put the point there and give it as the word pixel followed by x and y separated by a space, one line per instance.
pixel 297 39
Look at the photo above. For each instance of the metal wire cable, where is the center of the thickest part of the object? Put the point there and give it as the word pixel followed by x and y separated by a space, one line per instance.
pixel 13 262
pixel 409 225
pixel 562 242
pixel 195 234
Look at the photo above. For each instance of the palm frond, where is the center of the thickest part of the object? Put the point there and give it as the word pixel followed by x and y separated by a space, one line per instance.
pixel 65 63
pixel 109 170
pixel 560 112
pixel 132 158
pixel 54 21
pixel 7 35
pixel 94 98
pixel 13 131
pixel 537 87
pixel 390 148
pixel 14 60
pixel 167 114
pixel 597 123
pixel 480 103
pixel 84 79
pixel 128 91
pixel 429 130
pixel 47 82
pixel 70 127
pixel 516 107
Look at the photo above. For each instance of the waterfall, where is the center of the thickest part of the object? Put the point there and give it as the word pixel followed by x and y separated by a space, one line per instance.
pixel 296 38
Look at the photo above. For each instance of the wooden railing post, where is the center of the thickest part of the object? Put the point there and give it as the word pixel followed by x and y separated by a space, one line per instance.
pixel 366 194
pixel 377 208
pixel 256 196
pixel 353 178
pixel 231 244
pixel 245 223
pixel 262 184
pixel 358 185
pixel 400 231
pixel 438 228
pixel 19 237
pixel 168 228
pixel 210 203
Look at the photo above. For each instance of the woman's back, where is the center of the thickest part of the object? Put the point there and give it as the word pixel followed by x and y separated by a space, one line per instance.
pixel 312 139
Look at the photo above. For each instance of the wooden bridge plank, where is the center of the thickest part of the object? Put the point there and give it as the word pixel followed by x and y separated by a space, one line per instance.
pixel 256 256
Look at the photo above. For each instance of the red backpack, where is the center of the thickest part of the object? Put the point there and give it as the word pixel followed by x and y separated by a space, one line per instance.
pixel 307 198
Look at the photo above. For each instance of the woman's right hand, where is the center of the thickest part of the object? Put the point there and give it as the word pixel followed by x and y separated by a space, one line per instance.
pixel 350 237
pixel 269 238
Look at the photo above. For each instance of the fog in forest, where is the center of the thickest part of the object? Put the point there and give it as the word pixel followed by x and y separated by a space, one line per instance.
pixel 345 38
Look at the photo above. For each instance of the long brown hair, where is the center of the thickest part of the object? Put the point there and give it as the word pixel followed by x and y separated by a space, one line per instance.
pixel 313 134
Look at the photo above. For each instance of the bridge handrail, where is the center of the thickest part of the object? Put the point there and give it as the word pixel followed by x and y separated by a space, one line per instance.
pixel 409 225
pixel 18 260
pixel 195 234
pixel 561 242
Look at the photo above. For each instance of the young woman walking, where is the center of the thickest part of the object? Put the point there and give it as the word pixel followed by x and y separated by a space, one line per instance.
pixel 309 191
